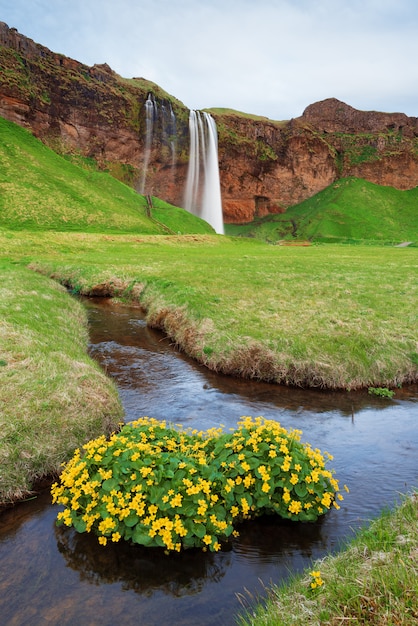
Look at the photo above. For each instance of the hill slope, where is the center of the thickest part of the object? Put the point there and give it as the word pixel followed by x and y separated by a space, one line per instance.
pixel 42 190
pixel 350 209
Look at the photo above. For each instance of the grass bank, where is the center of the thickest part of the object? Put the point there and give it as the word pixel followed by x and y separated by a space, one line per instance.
pixel 53 398
pixel 373 581
pixel 337 317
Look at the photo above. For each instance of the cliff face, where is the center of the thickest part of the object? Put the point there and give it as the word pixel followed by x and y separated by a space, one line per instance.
pixel 265 166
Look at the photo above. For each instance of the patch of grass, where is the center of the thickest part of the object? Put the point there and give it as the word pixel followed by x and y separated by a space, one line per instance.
pixel 177 220
pixel 373 581
pixel 381 392
pixel 351 210
pixel 53 397
pixel 225 112
pixel 318 316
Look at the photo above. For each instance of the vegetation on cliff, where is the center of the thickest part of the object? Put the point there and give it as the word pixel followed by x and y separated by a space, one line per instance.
pixel 349 211
pixel 42 190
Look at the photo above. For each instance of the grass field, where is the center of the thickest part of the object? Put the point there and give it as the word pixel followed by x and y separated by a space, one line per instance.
pixel 52 395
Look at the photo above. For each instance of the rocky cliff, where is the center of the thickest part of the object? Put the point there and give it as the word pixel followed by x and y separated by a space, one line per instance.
pixel 265 166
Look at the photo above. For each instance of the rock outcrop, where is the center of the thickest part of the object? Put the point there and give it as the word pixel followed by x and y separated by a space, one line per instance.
pixel 265 165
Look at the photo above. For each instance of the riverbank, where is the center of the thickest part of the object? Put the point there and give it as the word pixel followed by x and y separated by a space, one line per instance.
pixel 373 581
pixel 53 397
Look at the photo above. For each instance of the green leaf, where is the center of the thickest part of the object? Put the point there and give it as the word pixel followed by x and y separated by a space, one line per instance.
pixel 300 490
pixel 131 520
pixel 199 530
pixel 109 484
pixel 141 537
pixel 80 525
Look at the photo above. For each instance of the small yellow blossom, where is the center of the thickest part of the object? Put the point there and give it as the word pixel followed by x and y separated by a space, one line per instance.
pixel 317 580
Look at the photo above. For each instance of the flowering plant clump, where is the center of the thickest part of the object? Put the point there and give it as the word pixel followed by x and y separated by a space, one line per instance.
pixel 316 580
pixel 161 486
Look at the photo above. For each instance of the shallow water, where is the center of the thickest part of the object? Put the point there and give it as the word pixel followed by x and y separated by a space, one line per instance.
pixel 51 575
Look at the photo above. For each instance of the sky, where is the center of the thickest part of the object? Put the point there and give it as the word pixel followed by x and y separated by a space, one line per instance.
pixel 265 57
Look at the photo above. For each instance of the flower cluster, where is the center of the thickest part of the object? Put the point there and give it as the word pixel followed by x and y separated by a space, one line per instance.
pixel 161 486
pixel 316 579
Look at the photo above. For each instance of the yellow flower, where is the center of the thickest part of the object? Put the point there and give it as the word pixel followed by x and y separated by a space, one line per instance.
pixel 317 580
pixel 176 500
pixel 294 479
pixel 65 516
pixel 103 541
pixel 207 539
pixel 245 506
pixel 295 507
pixel 248 481
pixel 286 495
pixel 116 536
pixel 152 509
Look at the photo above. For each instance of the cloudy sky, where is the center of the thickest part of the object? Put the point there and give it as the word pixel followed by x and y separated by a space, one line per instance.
pixel 266 57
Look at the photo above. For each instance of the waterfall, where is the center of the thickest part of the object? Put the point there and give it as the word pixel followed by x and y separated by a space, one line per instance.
pixel 203 189
pixel 173 134
pixel 151 115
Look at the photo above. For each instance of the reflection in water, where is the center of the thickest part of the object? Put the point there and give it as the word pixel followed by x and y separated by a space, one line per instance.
pixel 140 569
pixel 53 575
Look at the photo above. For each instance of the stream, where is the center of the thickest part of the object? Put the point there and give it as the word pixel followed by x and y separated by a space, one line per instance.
pixel 52 575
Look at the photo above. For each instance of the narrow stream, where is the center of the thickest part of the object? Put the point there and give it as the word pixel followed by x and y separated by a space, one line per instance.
pixel 51 575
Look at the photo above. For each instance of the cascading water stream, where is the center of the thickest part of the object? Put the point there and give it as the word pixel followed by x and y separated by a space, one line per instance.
pixel 151 114
pixel 173 134
pixel 203 190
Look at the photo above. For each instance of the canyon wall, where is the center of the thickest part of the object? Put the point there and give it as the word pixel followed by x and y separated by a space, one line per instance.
pixel 265 165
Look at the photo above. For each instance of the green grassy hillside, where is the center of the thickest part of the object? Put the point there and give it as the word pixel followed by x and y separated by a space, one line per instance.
pixel 44 191
pixel 349 210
